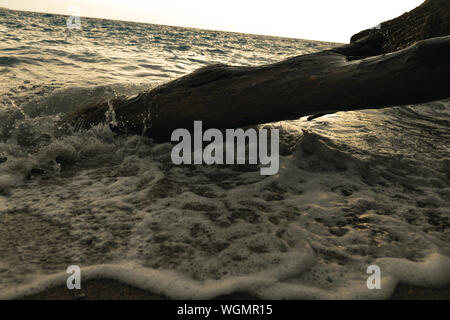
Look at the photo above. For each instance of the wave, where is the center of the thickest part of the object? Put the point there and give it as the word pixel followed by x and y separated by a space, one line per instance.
pixel 9 61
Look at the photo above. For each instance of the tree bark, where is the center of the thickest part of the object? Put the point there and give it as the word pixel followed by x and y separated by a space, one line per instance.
pixel 320 83
pixel 429 20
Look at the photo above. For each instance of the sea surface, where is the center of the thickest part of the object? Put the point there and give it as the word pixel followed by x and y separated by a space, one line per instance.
pixel 354 189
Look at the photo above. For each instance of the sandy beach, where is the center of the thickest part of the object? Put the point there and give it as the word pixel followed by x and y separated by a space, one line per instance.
pixel 105 289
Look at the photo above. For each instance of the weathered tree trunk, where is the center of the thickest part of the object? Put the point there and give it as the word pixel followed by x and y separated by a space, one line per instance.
pixel 324 82
pixel 356 76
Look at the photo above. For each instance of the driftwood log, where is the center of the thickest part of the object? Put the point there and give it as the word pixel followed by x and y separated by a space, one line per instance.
pixel 361 75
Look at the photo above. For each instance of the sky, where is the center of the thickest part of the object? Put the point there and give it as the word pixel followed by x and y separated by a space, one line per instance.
pixel 327 20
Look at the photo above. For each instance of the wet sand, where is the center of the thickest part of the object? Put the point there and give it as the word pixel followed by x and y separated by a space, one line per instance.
pixel 44 239
pixel 105 289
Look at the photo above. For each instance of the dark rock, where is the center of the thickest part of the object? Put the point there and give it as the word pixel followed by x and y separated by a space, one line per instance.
pixel 429 20
pixel 370 44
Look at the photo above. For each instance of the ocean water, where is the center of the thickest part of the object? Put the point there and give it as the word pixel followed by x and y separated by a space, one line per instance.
pixel 354 189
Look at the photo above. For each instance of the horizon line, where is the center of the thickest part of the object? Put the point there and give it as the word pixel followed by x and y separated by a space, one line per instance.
pixel 177 26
